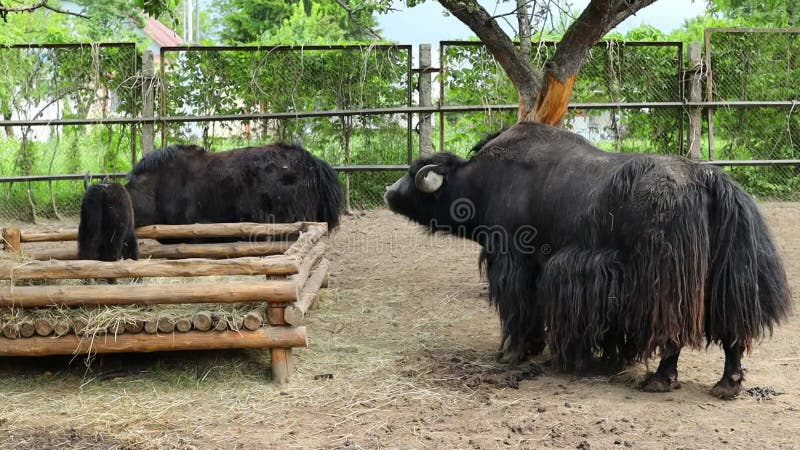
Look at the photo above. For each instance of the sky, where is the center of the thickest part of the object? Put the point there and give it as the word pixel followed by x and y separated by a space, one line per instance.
pixel 426 23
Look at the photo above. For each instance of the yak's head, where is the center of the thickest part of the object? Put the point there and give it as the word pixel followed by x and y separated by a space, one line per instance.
pixel 433 193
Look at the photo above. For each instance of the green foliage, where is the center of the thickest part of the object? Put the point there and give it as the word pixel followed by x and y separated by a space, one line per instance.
pixel 301 22
pixel 614 72
pixel 762 13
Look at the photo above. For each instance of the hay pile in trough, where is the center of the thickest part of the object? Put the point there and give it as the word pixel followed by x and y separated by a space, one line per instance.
pixel 92 321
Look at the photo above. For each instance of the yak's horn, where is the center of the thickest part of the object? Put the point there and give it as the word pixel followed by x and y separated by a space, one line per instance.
pixel 427 180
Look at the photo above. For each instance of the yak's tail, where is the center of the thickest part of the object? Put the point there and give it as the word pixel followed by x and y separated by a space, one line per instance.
pixel 747 289
pixel 91 222
pixel 329 194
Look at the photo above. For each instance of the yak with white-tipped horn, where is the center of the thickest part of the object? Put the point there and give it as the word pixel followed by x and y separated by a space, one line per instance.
pixel 616 255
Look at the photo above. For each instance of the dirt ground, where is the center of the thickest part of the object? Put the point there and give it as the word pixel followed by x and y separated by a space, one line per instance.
pixel 401 355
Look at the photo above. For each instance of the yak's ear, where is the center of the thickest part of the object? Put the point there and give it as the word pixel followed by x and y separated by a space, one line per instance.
pixel 428 180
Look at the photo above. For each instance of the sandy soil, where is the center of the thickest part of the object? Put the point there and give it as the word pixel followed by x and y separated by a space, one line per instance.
pixel 401 355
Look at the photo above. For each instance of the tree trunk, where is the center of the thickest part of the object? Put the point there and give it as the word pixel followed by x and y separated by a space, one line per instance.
pixel 562 69
pixel 545 97
pixel 526 79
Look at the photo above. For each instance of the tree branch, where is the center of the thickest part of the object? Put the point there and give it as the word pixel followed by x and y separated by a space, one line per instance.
pixel 65 12
pixel 35 6
pixel 524 29
pixel 519 68
pixel 599 17
pixel 5 10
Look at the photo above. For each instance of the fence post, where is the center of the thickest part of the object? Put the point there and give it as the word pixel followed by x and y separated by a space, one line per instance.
pixel 695 73
pixel 148 101
pixel 424 87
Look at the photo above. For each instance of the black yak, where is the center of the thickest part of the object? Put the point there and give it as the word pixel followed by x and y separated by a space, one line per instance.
pixel 185 184
pixel 106 230
pixel 620 255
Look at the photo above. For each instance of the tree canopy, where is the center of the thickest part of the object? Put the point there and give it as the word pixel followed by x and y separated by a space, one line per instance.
pixel 295 21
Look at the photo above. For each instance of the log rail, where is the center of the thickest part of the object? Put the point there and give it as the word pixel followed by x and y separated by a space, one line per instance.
pixel 289 255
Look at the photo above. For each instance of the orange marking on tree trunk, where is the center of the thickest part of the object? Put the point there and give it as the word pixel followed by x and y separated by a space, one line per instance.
pixel 552 103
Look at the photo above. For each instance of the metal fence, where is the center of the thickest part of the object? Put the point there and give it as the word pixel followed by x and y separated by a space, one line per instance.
pixel 619 98
pixel 754 73
pixel 76 109
pixel 46 83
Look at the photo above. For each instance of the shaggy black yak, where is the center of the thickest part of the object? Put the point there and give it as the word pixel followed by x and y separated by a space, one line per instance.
pixel 614 254
pixel 278 183
pixel 106 231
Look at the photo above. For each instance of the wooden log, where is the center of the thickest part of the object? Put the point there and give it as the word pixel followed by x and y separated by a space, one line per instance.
pixel 295 312
pixel 151 326
pixel 134 326
pixel 192 267
pixel 325 281
pixel 78 324
pixel 26 329
pixel 177 251
pixel 61 327
pixel 11 239
pixel 192 340
pixel 43 327
pixel 281 363
pixel 219 323
pixel 149 294
pixel 254 319
pixel 282 360
pixel 116 328
pixel 309 237
pixel 248 230
pixel 202 321
pixel 306 266
pixel 49 236
pixel 183 324
pixel 166 324
pixel 10 330
pixel 275 314
pixel 236 322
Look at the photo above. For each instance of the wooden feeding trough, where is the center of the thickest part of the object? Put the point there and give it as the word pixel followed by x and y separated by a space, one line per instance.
pixel 271 309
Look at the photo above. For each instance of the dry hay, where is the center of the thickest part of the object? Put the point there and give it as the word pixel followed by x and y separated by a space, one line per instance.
pixel 93 321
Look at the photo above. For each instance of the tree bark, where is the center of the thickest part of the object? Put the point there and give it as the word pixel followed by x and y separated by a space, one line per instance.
pixel 545 97
pixel 526 79
pixel 599 17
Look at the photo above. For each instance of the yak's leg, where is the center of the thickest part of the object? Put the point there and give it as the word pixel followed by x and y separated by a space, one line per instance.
pixel 537 340
pixel 522 339
pixel 583 359
pixel 666 377
pixel 513 349
pixel 130 248
pixel 731 383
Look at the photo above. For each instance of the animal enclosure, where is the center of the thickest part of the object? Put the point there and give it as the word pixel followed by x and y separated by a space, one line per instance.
pixel 42 313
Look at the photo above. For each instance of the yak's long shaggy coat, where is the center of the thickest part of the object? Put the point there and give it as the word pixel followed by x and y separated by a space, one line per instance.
pixel 281 182
pixel 106 231
pixel 645 253
pixel 666 258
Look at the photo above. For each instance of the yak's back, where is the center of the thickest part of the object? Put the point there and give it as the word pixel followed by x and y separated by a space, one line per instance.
pixel 162 159
pixel 532 142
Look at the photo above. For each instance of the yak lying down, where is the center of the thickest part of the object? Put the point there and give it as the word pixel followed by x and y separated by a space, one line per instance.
pixel 616 255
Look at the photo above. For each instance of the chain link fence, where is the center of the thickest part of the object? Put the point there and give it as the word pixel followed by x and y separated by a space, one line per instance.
pixel 615 73
pixel 54 82
pixel 746 65
pixel 251 80
pixel 630 97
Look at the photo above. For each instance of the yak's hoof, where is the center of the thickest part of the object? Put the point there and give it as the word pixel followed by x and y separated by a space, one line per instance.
pixel 512 358
pixel 658 383
pixel 727 389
